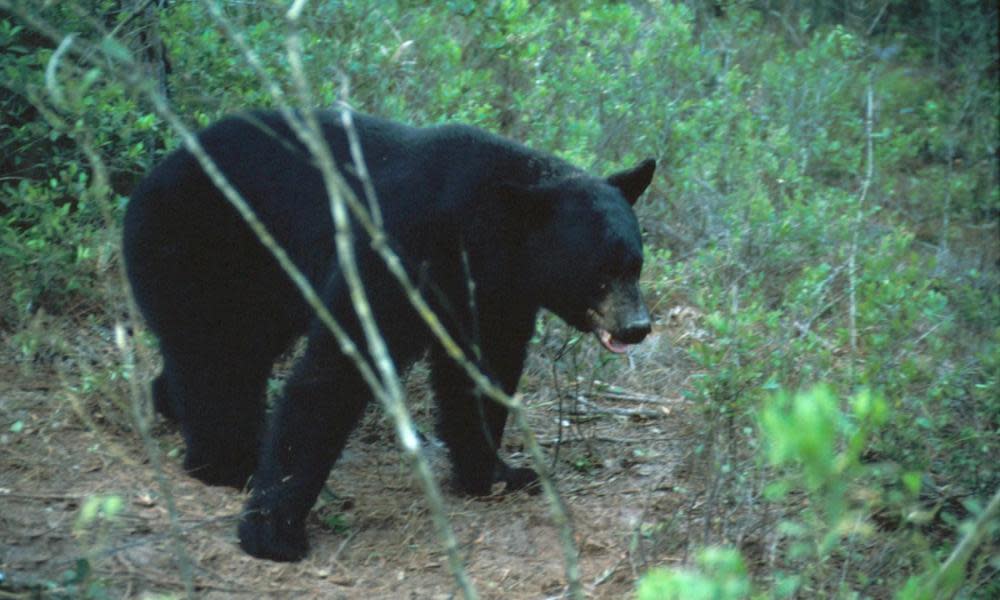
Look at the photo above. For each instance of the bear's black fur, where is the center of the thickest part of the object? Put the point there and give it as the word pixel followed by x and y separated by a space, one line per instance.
pixel 459 204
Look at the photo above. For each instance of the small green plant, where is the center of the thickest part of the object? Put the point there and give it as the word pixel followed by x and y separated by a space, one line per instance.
pixel 721 575
pixel 585 463
pixel 336 522
pixel 92 529
pixel 817 447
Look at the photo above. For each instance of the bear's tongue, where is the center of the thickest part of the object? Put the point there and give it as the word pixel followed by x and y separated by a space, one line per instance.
pixel 609 342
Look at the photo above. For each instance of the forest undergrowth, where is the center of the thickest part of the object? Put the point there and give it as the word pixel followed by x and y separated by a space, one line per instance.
pixel 822 253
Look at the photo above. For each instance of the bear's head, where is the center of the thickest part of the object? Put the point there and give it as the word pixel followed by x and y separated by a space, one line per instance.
pixel 585 252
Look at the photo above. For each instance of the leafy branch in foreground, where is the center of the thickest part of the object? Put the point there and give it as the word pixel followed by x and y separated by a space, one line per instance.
pixel 817 448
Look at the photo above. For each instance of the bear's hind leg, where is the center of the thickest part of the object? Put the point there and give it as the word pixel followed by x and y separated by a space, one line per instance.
pixel 162 402
pixel 219 402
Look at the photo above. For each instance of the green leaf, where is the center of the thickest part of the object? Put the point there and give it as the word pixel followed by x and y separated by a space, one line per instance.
pixel 911 480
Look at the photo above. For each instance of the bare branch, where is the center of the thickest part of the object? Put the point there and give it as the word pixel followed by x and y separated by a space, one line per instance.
pixel 448 343
pixel 852 314
pixel 391 393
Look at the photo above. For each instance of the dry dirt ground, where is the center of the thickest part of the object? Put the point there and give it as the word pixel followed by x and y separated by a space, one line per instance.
pixel 620 457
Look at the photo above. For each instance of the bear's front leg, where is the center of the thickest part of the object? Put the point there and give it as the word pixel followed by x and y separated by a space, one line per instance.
pixel 471 424
pixel 321 405
pixel 517 478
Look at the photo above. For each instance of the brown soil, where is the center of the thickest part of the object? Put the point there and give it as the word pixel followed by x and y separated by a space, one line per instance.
pixel 620 464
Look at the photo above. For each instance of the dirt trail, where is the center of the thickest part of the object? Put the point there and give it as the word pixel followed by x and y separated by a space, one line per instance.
pixel 619 464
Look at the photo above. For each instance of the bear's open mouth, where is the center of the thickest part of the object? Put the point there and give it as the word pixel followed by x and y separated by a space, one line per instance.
pixel 609 341
pixel 594 320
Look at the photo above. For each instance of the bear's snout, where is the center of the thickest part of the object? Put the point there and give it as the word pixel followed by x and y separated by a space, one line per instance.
pixel 635 329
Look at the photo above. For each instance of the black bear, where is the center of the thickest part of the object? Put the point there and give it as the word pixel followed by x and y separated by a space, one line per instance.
pixel 468 212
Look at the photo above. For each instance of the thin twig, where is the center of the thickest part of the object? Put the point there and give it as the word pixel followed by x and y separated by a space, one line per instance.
pixel 852 257
pixel 391 392
pixel 948 573
pixel 634 397
pixel 140 404
pixel 588 407
pixel 141 414
pixel 560 513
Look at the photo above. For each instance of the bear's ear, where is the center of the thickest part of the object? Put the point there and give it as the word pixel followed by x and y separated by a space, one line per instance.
pixel 633 182
pixel 528 204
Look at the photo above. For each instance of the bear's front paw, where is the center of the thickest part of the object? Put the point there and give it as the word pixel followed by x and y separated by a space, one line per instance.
pixel 268 534
pixel 473 486
pixel 520 478
pixel 472 483
pixel 228 471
